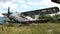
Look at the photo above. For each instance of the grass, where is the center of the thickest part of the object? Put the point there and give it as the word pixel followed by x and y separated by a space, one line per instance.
pixel 39 28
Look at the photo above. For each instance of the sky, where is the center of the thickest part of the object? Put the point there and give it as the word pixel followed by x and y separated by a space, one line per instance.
pixel 25 5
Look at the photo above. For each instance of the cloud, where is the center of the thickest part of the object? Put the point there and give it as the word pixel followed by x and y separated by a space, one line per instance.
pixel 4 0
pixel 45 3
pixel 24 5
pixel 1 15
pixel 32 3
pixel 8 4
pixel 48 3
pixel 27 4
pixel 21 1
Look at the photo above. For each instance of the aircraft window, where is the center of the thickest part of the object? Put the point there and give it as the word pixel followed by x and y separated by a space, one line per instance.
pixel 43 10
pixel 49 10
pixel 54 9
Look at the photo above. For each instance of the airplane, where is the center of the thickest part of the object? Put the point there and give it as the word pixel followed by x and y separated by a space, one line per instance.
pixel 24 17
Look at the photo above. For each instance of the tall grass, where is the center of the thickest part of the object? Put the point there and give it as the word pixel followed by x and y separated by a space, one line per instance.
pixel 39 28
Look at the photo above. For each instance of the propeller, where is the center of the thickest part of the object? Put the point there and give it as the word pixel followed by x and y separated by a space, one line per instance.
pixel 8 12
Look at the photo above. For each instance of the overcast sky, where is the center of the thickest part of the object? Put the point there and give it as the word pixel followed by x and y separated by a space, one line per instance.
pixel 25 5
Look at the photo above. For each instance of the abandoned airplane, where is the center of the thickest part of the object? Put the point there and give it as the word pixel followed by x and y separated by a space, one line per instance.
pixel 24 17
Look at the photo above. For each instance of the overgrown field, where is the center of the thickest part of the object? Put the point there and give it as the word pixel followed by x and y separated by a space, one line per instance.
pixel 39 28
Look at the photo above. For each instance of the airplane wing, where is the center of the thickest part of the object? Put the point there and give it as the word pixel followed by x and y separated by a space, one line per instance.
pixel 56 1
pixel 50 10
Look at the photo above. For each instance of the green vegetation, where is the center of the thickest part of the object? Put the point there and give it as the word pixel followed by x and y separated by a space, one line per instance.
pixel 51 27
pixel 55 18
pixel 38 28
